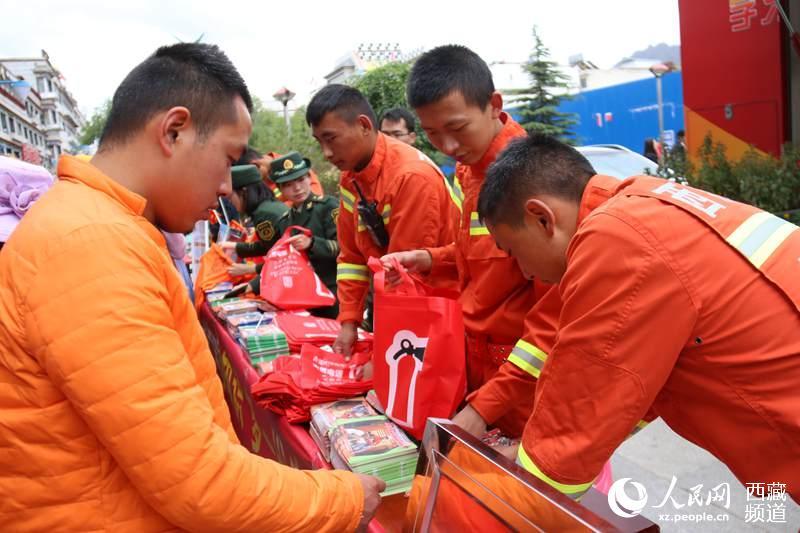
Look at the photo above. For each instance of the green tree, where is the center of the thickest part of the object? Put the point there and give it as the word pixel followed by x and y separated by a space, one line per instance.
pixel 539 112
pixel 270 135
pixel 94 126
pixel 385 87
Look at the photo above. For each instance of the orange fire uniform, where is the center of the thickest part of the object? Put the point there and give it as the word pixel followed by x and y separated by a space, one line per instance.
pixel 683 303
pixel 495 296
pixel 512 388
pixel 418 206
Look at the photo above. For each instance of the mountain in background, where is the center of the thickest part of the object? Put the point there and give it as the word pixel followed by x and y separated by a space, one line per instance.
pixel 662 52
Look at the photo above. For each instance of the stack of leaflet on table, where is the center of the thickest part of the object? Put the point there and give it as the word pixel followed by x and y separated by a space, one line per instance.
pixel 263 342
pixel 250 318
pixel 235 307
pixel 325 416
pixel 375 446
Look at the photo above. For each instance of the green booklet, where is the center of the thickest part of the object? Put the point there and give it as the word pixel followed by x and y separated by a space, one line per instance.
pixel 366 441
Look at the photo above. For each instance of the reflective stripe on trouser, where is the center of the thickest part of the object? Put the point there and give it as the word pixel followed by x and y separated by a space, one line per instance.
pixel 475 226
pixel 573 491
pixel 528 357
pixel 348 200
pixel 759 236
pixel 352 271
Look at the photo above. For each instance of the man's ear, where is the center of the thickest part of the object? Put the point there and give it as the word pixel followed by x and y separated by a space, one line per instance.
pixel 172 127
pixel 365 123
pixel 539 214
pixel 496 102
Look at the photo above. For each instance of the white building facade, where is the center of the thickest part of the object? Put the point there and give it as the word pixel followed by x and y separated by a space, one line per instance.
pixel 49 106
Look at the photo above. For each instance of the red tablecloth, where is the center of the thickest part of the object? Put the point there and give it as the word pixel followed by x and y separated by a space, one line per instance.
pixel 266 433
pixel 260 430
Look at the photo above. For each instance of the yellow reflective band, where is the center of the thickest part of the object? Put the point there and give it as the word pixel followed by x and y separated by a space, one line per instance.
pixel 457 189
pixel 640 425
pixel 277 192
pixel 352 272
pixel 528 357
pixel 760 256
pixel 573 491
pixel 347 195
pixel 455 193
pixel 759 236
pixel 387 213
pixel 475 226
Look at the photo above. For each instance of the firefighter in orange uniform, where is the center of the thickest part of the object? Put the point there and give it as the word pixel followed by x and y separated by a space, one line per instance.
pixel 393 197
pixel 452 92
pixel 675 301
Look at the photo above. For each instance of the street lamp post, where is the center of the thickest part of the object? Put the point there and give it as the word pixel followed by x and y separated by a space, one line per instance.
pixel 283 95
pixel 658 70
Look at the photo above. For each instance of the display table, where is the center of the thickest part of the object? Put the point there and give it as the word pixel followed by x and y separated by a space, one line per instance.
pixel 269 434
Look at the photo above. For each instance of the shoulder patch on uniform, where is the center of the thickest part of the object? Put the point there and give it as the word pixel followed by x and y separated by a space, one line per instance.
pixel 266 230
pixel 335 215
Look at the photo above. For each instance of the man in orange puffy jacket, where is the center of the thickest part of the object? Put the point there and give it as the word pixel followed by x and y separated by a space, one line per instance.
pixel 113 417
pixel 676 302
pixel 452 91
pixel 414 205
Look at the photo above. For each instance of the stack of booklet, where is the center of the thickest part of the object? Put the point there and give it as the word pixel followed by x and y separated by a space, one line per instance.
pixel 326 415
pixel 372 445
pixel 263 342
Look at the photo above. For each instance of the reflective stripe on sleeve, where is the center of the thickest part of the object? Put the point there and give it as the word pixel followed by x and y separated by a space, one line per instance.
pixel 573 491
pixel 528 357
pixel 348 200
pixel 475 226
pixel 760 235
pixel 352 271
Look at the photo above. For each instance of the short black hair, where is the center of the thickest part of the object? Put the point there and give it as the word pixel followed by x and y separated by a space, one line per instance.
pixel 346 101
pixel 530 166
pixel 446 69
pixel 681 133
pixel 198 76
pixel 399 113
pixel 249 156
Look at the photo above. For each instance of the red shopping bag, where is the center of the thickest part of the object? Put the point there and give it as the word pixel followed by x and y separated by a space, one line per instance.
pixel 288 280
pixel 323 367
pixel 419 362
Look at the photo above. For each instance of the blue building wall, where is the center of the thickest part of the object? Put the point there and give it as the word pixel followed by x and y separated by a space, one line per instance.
pixel 632 109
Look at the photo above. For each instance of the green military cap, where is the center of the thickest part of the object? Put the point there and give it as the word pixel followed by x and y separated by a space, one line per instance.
pixel 289 167
pixel 244 175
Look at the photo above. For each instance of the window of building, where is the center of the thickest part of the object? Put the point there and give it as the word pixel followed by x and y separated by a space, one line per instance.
pixel 3 122
pixel 40 84
pixel 49 85
pixel 11 124
pixel 54 116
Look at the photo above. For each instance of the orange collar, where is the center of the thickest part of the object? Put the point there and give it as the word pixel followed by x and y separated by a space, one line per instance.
pixel 598 189
pixel 372 171
pixel 510 130
pixel 73 169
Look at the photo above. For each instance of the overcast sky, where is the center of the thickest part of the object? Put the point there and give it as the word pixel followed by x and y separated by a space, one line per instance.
pixel 295 43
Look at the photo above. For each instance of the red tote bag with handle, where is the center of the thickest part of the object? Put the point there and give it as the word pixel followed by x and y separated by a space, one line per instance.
pixel 288 280
pixel 419 362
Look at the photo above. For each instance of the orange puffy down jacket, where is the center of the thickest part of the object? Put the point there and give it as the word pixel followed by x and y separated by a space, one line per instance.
pixel 111 414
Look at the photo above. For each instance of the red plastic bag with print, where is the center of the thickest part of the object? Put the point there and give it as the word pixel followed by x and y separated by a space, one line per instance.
pixel 288 280
pixel 419 363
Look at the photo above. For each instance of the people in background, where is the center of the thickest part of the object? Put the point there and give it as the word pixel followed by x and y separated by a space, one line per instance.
pixel 398 122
